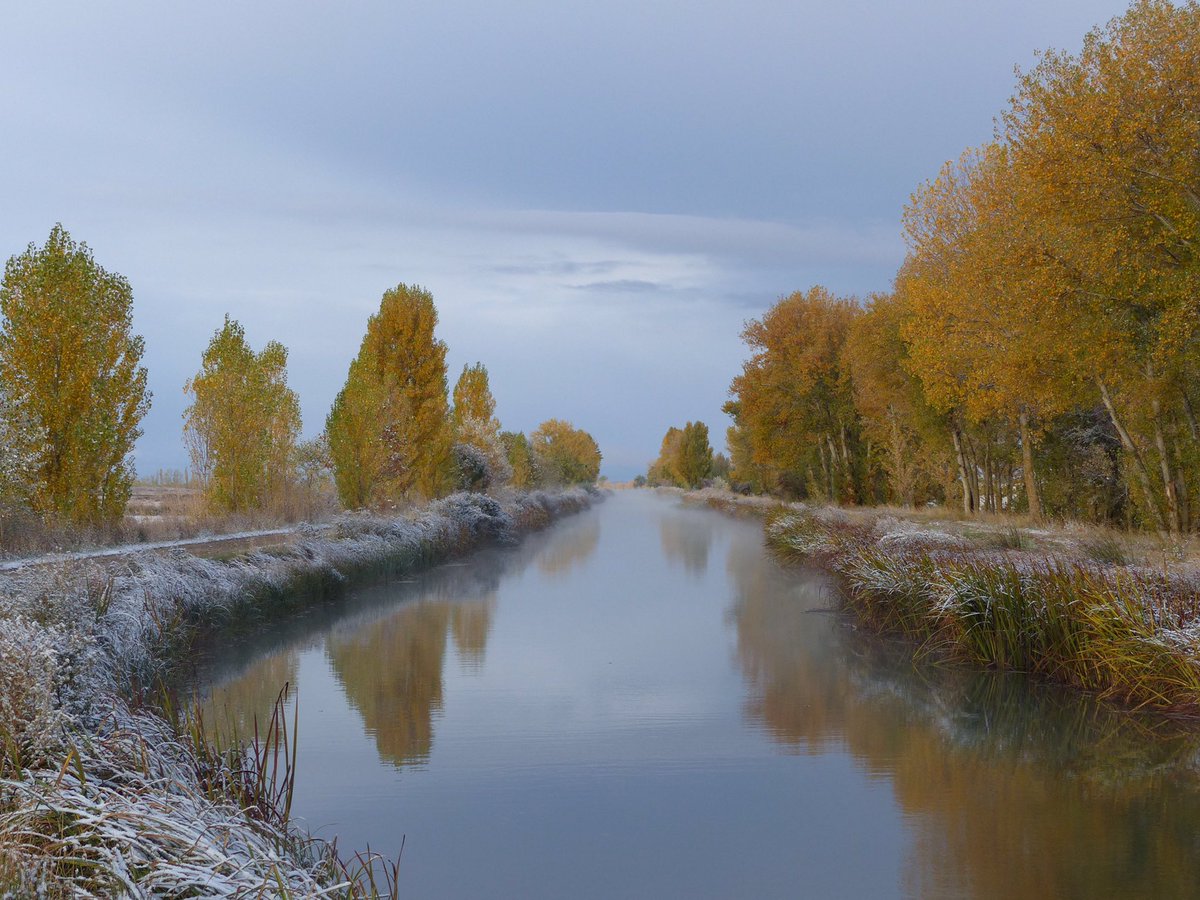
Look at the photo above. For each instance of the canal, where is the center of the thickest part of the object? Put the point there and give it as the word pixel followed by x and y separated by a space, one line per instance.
pixel 640 702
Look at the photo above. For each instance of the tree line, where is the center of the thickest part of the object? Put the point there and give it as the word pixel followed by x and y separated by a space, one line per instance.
pixel 73 393
pixel 686 459
pixel 1039 349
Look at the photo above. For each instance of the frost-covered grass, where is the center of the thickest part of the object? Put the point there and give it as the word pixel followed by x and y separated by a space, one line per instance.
pixel 104 791
pixel 1125 632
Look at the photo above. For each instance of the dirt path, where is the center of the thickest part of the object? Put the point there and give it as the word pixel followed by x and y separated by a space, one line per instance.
pixel 206 545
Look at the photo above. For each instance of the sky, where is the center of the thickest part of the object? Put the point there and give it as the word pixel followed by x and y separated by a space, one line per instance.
pixel 597 195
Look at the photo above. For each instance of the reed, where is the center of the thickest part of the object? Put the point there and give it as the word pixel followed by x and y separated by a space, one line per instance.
pixel 1124 633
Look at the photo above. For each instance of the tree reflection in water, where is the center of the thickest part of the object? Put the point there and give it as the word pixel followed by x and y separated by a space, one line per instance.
pixel 1004 782
pixel 387 644
pixel 391 669
pixel 569 545
pixel 470 624
pixel 686 536
pixel 240 704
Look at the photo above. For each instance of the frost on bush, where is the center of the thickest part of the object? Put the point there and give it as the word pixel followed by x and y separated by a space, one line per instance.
pixel 891 532
pixel 473 470
pixel 480 457
pixel 29 716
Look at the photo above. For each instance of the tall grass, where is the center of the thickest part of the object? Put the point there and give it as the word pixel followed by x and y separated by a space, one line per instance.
pixel 1121 632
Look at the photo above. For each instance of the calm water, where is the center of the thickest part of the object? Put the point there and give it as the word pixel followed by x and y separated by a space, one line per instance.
pixel 640 703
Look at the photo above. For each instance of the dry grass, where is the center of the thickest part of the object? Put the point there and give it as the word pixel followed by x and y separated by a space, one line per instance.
pixel 157 513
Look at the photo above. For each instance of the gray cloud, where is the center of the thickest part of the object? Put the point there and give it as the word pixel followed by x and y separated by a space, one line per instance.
pixel 621 286
pixel 598 195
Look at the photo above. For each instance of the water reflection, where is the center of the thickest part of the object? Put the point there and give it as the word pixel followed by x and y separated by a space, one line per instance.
pixel 386 645
pixel 246 701
pixel 392 675
pixel 1011 789
pixel 391 669
pixel 471 623
pixel 569 548
pixel 686 536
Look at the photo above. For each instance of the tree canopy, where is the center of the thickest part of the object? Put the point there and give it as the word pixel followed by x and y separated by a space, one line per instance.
pixel 390 432
pixel 72 379
pixel 566 454
pixel 242 425
pixel 1039 349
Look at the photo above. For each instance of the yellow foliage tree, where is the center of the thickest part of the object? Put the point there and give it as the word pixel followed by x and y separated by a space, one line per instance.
pixel 791 404
pixel 70 373
pixel 243 422
pixel 565 454
pixel 1107 142
pixel 889 398
pixel 475 423
pixel 389 431
pixel 685 459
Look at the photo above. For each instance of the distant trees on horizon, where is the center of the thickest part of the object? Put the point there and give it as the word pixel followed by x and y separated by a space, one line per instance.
pixel 685 458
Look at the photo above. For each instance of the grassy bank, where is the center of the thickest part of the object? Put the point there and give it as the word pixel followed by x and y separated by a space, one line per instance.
pixel 1112 614
pixel 104 789
pixel 1125 632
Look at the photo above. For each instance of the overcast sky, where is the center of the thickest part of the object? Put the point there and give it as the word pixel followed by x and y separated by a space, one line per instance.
pixel 597 195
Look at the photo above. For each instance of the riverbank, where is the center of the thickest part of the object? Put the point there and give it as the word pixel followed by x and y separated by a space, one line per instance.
pixel 1101 612
pixel 106 790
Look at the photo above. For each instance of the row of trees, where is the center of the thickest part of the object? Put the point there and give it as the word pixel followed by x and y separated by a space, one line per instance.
pixel 73 393
pixel 686 458
pixel 393 434
pixel 1041 345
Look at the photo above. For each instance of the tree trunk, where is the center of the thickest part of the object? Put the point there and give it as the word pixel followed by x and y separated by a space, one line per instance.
pixel 1164 465
pixel 827 471
pixel 972 458
pixel 1181 491
pixel 1140 469
pixel 851 495
pixel 1190 412
pixel 989 479
pixel 968 498
pixel 1031 489
pixel 899 482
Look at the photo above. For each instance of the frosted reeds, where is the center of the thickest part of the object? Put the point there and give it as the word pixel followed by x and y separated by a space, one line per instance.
pixel 1122 632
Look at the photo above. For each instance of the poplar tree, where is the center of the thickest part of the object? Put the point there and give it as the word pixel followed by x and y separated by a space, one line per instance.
pixel 694 462
pixel 390 431
pixel 791 405
pixel 242 425
pixel 520 459
pixel 475 424
pixel 70 373
pixel 1107 141
pixel 662 470
pixel 685 458
pixel 473 398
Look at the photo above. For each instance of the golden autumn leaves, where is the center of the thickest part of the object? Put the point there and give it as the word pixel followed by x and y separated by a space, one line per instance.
pixel 393 435
pixel 242 426
pixel 1043 334
pixel 72 389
